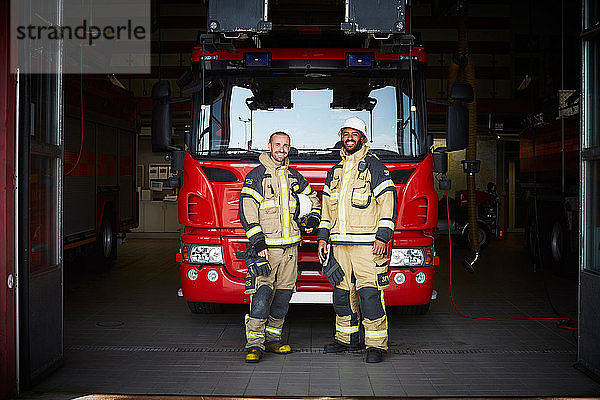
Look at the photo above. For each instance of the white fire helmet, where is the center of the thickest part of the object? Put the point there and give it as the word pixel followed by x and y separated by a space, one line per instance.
pixel 305 205
pixel 354 123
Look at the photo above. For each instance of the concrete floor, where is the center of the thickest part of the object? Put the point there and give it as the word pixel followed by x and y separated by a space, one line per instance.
pixel 127 332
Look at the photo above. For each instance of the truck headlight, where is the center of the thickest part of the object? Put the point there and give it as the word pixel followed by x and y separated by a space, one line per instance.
pixel 403 257
pixel 192 274
pixel 399 278
pixel 192 253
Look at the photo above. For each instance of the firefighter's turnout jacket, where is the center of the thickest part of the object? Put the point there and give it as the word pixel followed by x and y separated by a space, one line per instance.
pixel 359 201
pixel 268 204
pixel 360 205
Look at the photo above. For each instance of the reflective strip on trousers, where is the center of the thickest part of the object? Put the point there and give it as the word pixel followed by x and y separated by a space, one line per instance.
pixel 346 329
pixel 376 333
pixel 270 329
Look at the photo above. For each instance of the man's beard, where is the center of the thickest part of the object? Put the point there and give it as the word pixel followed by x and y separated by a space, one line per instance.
pixel 273 157
pixel 357 147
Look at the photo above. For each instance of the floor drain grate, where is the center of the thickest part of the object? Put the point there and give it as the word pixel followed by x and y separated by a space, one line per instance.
pixel 110 324
pixel 177 349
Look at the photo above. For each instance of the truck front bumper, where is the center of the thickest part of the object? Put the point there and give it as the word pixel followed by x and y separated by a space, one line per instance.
pixel 213 284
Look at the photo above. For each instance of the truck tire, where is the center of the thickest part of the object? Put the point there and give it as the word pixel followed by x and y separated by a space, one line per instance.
pixel 531 240
pixel 483 234
pixel 413 309
pixel 107 240
pixel 556 247
pixel 204 308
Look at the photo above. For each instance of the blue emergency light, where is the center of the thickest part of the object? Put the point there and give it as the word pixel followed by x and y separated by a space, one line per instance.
pixel 359 59
pixel 258 59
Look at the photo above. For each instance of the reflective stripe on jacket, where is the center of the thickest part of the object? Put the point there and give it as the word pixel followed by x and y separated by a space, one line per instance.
pixel 268 204
pixel 360 203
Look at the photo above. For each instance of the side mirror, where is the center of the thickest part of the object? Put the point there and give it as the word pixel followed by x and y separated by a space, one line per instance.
pixel 161 118
pixel 161 90
pixel 457 123
pixel 161 128
pixel 462 92
pixel 458 117
pixel 440 161
pixel 185 79
pixel 177 160
pixel 440 166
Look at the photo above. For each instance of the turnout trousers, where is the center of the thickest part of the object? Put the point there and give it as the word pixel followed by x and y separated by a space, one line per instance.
pixel 361 294
pixel 270 297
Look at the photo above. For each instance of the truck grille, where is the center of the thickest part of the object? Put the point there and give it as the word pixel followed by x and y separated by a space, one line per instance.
pixel 308 248
pixel 309 266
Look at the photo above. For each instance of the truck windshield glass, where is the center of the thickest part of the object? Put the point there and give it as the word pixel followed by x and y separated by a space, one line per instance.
pixel 242 121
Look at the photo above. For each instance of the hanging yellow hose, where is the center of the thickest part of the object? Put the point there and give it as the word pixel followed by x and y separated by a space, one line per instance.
pixel 465 71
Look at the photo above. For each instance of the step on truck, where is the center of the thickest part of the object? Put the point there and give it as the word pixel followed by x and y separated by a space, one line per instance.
pixel 252 76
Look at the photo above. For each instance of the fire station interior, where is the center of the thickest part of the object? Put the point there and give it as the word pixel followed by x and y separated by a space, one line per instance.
pixel 514 314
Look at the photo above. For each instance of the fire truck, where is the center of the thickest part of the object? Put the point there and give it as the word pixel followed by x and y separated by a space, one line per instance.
pixel 549 177
pixel 252 76
pixel 100 198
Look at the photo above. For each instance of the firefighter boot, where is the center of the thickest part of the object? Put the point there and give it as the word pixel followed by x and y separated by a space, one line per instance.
pixel 374 355
pixel 337 347
pixel 254 355
pixel 278 348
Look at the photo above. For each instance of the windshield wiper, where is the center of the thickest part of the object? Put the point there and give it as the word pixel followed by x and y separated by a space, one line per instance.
pixel 239 149
pixel 243 154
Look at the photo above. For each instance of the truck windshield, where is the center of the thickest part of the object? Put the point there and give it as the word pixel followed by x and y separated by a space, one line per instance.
pixel 241 120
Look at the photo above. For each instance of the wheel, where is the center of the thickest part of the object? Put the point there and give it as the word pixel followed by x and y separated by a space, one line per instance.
pixel 530 238
pixel 107 240
pixel 204 308
pixel 556 247
pixel 413 309
pixel 557 238
pixel 483 235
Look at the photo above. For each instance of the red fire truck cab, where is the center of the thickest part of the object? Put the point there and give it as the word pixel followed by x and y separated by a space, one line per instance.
pixel 241 95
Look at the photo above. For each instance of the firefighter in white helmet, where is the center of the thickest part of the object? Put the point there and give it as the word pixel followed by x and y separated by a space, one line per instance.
pixel 359 212
pixel 270 203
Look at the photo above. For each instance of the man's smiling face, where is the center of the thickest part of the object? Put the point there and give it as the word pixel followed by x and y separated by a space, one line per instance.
pixel 279 147
pixel 352 139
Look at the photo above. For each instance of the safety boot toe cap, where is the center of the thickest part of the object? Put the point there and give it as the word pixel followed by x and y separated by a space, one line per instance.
pixel 374 355
pixel 337 347
pixel 278 348
pixel 253 355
